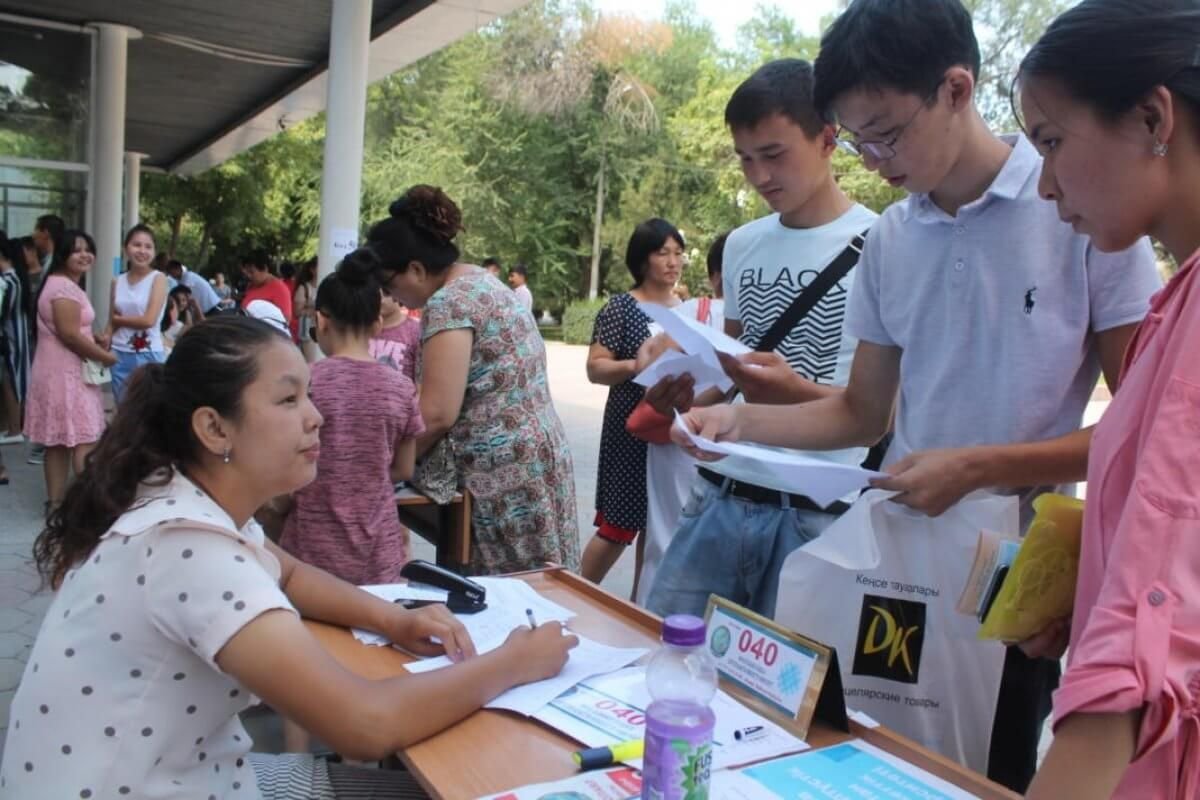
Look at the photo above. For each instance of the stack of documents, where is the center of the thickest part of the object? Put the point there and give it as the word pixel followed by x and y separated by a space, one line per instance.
pixel 507 602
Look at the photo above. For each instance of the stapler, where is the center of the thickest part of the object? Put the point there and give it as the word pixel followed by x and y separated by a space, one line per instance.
pixel 465 595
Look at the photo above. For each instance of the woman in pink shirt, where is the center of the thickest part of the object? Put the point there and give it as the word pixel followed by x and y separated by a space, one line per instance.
pixel 1111 97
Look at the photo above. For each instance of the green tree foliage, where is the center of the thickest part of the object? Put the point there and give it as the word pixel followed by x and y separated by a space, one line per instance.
pixel 516 121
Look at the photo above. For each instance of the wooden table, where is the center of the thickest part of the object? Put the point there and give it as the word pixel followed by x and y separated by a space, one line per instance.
pixel 447 528
pixel 492 751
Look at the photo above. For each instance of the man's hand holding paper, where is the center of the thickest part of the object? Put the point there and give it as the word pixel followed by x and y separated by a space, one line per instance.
pixel 713 423
pixel 823 480
pixel 764 378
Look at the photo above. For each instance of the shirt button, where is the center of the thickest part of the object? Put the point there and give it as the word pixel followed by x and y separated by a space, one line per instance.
pixel 958 266
pixel 960 228
pixel 1157 598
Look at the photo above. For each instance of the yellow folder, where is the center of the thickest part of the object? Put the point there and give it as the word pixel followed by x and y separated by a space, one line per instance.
pixel 1040 586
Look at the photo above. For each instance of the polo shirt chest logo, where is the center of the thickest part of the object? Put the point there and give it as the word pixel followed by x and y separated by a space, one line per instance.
pixel 1029 299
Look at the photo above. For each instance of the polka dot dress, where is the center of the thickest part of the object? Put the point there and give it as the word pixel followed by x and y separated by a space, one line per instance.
pixel 621 479
pixel 121 695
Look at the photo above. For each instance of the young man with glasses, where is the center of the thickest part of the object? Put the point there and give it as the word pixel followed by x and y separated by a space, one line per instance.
pixel 741 522
pixel 983 314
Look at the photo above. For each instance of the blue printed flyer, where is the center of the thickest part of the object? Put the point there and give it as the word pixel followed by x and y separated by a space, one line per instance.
pixel 852 770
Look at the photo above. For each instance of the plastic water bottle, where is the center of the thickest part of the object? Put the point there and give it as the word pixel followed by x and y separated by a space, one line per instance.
pixel 681 678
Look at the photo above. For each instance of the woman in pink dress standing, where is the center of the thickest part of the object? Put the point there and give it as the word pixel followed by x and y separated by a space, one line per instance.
pixel 62 411
pixel 1111 98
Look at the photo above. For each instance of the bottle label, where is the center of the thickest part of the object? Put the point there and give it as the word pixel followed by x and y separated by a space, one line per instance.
pixel 677 763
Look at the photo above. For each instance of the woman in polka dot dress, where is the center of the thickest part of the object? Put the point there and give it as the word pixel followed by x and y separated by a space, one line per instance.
pixel 173 613
pixel 655 259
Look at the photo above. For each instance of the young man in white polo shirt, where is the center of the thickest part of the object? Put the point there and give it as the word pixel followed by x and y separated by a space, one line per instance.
pixel 741 522
pixel 984 314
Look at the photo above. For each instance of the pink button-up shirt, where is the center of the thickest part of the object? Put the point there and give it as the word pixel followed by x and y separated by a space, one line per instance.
pixel 1135 637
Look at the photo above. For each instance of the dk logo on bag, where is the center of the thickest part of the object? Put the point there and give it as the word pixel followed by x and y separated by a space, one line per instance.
pixel 891 633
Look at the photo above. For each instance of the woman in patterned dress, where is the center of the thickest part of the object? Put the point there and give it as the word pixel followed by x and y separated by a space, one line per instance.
pixel 483 388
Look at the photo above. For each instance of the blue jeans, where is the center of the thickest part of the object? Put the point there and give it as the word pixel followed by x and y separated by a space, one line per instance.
pixel 729 547
pixel 126 364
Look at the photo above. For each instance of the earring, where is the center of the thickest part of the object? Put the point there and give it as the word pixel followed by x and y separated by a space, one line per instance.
pixel 226 458
pixel 1159 149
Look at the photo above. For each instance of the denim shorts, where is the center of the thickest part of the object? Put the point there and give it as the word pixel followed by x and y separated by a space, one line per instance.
pixel 729 547
pixel 127 363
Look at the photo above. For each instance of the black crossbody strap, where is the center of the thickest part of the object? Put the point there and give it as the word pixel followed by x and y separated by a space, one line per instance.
pixel 812 294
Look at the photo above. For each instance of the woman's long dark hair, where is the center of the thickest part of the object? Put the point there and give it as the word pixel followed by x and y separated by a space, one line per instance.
pixel 12 250
pixel 1109 54
pixel 63 248
pixel 151 434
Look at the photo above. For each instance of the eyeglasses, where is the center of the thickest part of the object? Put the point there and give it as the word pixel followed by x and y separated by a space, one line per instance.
pixel 880 149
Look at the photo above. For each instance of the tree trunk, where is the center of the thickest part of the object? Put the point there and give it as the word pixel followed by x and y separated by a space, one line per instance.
pixel 594 284
pixel 205 241
pixel 176 228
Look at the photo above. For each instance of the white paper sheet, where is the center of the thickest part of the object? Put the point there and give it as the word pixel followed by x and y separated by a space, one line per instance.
pixel 588 659
pixel 823 481
pixel 507 599
pixel 393 592
pixel 673 363
pixel 610 708
pixel 693 336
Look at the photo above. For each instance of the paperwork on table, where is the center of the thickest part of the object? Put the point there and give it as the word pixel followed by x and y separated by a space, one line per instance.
pixel 823 481
pixel 611 708
pixel 507 600
pixel 850 769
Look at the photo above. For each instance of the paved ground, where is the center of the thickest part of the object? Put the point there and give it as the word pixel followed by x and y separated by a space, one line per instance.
pixel 579 403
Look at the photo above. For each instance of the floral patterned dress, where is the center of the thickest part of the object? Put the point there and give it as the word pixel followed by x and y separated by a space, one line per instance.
pixel 509 445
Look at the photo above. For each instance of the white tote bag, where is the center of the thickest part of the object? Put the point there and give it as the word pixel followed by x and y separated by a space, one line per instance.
pixel 881 585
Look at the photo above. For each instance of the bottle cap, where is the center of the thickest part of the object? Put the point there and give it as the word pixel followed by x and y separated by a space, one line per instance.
pixel 684 630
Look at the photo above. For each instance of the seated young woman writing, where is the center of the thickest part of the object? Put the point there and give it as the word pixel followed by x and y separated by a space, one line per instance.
pixel 173 613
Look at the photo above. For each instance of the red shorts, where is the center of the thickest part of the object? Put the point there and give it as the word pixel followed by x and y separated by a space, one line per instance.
pixel 611 533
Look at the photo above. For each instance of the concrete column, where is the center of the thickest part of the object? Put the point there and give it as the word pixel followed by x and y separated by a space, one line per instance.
pixel 107 158
pixel 133 189
pixel 346 109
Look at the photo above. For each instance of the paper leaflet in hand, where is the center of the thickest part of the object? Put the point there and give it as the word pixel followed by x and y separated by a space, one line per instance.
pixel 699 342
pixel 693 336
pixel 673 363
pixel 824 481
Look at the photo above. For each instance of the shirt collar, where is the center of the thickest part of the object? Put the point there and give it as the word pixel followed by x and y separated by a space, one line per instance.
pixel 1022 164
pixel 180 502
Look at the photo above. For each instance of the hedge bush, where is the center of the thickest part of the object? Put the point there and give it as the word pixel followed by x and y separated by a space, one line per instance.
pixel 579 319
